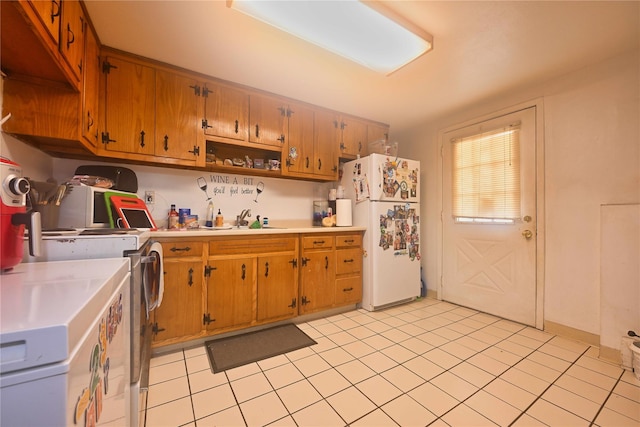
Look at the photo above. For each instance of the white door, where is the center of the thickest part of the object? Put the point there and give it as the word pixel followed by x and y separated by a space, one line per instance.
pixel 489 261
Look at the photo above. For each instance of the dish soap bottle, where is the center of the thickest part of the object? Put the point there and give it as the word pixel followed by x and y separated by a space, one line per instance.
pixel 209 221
pixel 219 219
pixel 172 224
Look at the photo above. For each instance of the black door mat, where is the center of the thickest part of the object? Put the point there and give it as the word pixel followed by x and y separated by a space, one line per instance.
pixel 238 350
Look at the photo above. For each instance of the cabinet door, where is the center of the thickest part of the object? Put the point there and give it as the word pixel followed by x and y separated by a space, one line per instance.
pixel 129 107
pixel 49 13
pixel 299 145
pixel 180 313
pixel 348 261
pixel 318 281
pixel 177 99
pixel 354 137
pixel 277 287
pixel 376 132
pixel 348 290
pixel 326 145
pixel 267 118
pixel 72 40
pixel 226 112
pixel 230 289
pixel 90 88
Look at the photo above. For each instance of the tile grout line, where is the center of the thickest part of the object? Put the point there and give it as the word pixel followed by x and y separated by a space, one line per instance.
pixel 595 417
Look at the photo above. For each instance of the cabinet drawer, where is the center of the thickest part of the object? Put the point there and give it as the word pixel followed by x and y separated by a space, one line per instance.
pixel 348 261
pixel 349 240
pixel 349 290
pixel 315 242
pixel 249 245
pixel 181 249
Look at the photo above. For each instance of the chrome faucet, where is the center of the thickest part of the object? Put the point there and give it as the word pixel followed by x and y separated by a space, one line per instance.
pixel 240 219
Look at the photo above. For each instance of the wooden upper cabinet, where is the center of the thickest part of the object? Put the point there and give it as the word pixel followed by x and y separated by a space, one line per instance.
pixel 72 36
pixel 177 116
pixel 267 120
pixel 49 12
pixel 353 137
pixel 325 144
pixel 129 121
pixel 90 92
pixel 298 153
pixel 226 112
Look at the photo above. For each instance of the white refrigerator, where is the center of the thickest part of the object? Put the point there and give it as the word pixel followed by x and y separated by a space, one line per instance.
pixel 385 194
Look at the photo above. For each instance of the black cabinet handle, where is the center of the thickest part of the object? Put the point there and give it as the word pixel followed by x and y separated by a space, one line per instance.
pixel 257 131
pixel 237 126
pixel 244 271
pixel 266 266
pixel 72 37
pixel 186 249
pixel 326 263
pixel 348 260
pixel 89 120
pixel 141 138
pixel 166 143
pixel 307 166
pixel 319 164
pixel 55 10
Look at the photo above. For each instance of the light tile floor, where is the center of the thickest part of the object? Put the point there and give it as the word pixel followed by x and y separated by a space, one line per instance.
pixel 424 363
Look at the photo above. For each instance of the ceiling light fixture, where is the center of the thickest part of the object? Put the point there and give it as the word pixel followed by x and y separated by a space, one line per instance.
pixel 363 31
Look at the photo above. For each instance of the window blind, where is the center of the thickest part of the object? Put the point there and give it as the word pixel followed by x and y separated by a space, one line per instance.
pixel 486 176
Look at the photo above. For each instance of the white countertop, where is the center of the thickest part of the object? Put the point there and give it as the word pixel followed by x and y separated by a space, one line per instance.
pixel 47 306
pixel 275 227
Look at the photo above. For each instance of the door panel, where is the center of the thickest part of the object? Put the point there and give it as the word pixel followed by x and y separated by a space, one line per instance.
pixel 492 267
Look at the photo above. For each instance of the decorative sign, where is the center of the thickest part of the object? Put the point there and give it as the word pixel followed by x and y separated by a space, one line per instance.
pixel 230 186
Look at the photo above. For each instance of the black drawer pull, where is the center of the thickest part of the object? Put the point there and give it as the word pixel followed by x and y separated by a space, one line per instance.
pixel 318 242
pixel 348 260
pixel 186 249
pixel 347 289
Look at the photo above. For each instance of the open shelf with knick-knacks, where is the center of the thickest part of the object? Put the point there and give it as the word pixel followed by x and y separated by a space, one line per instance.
pixel 237 159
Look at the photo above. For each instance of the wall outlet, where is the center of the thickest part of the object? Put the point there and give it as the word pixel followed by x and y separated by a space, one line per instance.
pixel 149 197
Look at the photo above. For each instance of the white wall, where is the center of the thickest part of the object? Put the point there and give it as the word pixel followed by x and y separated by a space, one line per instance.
pixel 592 157
pixel 40 165
pixel 282 199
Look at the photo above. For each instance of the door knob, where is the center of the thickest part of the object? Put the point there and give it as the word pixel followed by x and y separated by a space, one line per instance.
pixel 527 234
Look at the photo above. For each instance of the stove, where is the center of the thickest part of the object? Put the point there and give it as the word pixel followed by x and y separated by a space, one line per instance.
pixel 89 243
pixel 145 290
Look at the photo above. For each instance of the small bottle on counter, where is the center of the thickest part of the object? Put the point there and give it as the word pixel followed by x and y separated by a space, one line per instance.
pixel 219 219
pixel 209 220
pixel 172 223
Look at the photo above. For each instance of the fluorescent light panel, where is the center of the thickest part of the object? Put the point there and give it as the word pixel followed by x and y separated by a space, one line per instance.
pixel 349 28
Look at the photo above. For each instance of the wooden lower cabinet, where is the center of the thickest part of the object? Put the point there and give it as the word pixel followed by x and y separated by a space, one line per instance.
pixel 277 287
pixel 317 274
pixel 331 271
pixel 221 284
pixel 230 290
pixel 180 313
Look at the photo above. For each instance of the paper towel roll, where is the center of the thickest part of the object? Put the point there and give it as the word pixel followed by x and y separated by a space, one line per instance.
pixel 343 213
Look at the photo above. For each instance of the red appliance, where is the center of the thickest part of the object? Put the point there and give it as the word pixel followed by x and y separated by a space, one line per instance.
pixel 14 216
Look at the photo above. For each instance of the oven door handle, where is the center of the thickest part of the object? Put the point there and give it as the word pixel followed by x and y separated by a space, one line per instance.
pixel 149 259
